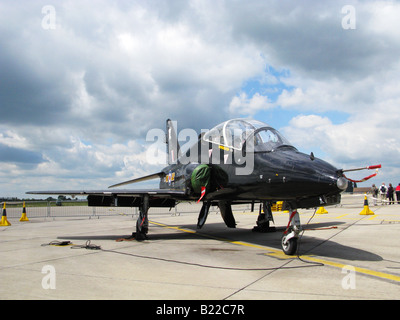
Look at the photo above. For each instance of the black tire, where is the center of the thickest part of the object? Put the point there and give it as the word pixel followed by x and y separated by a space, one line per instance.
pixel 290 248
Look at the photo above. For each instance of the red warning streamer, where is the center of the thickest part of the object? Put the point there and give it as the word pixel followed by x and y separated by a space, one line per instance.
pixel 362 180
pixel 203 193
pixel 364 168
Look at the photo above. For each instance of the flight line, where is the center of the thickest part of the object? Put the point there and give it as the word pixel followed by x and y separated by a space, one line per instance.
pixel 178 261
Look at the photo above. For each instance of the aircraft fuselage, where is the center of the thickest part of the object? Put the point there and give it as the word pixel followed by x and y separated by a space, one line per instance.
pixel 284 174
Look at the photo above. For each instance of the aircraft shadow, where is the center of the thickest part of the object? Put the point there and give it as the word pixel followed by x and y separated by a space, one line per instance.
pixel 309 245
pixel 151 236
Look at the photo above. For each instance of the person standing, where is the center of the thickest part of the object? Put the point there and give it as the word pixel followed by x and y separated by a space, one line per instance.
pixel 374 192
pixel 390 192
pixel 382 192
pixel 398 193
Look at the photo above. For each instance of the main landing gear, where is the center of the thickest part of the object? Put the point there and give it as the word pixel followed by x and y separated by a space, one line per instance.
pixel 142 224
pixel 289 239
pixel 264 218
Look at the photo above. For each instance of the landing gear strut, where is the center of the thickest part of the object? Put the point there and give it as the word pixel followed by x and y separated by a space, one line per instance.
pixel 142 224
pixel 291 234
pixel 264 218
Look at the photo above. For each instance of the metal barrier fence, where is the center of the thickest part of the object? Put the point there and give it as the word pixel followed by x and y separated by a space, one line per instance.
pixel 49 209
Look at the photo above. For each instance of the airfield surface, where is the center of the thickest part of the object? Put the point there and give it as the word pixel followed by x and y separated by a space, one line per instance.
pixel 343 255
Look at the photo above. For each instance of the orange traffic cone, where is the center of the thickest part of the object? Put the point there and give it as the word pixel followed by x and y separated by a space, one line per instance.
pixel 23 216
pixel 4 222
pixel 366 210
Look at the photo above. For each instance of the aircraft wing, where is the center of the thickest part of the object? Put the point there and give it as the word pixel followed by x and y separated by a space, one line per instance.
pixel 118 192
pixel 169 193
pixel 123 198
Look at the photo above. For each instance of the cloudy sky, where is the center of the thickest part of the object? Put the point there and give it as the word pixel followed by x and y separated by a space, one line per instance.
pixel 83 82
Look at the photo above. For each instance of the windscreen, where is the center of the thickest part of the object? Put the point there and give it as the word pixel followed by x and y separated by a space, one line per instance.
pixel 233 134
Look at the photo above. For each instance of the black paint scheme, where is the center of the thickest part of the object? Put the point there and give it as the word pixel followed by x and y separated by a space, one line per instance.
pixel 238 161
pixel 280 172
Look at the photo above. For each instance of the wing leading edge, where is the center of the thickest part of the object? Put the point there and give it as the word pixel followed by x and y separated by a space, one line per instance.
pixel 125 197
pixel 163 193
pixel 122 192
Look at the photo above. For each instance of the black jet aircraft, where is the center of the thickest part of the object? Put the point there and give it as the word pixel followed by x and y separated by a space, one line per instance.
pixel 238 161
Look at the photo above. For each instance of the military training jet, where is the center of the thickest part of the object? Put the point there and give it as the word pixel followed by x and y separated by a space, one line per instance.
pixel 238 161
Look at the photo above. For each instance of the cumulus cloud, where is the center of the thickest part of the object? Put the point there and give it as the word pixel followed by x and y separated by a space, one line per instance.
pixel 356 143
pixel 243 104
pixel 78 98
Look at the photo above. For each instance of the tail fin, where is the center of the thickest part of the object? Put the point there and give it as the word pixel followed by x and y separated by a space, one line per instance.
pixel 173 148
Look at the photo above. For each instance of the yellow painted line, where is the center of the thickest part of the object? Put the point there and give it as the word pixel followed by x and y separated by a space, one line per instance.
pixel 170 227
pixel 280 255
pixel 378 274
pixel 343 215
pixel 245 244
pixel 372 217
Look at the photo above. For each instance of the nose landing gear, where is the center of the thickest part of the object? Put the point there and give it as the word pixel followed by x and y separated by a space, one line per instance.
pixel 291 234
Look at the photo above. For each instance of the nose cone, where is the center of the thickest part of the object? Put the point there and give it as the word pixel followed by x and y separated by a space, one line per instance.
pixel 342 183
pixel 325 178
pixel 291 174
pixel 330 177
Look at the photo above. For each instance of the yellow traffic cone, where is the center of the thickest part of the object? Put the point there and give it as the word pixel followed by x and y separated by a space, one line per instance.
pixel 321 210
pixel 366 210
pixel 4 222
pixel 23 216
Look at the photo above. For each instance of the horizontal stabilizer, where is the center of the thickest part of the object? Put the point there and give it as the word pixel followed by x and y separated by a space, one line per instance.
pixel 145 178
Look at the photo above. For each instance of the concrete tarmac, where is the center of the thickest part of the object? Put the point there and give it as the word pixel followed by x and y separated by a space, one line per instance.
pixel 342 255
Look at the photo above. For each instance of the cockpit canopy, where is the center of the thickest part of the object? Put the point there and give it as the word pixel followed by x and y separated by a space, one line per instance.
pixel 234 134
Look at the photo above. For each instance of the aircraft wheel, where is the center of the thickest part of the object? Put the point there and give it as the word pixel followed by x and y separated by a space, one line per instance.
pixel 290 247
